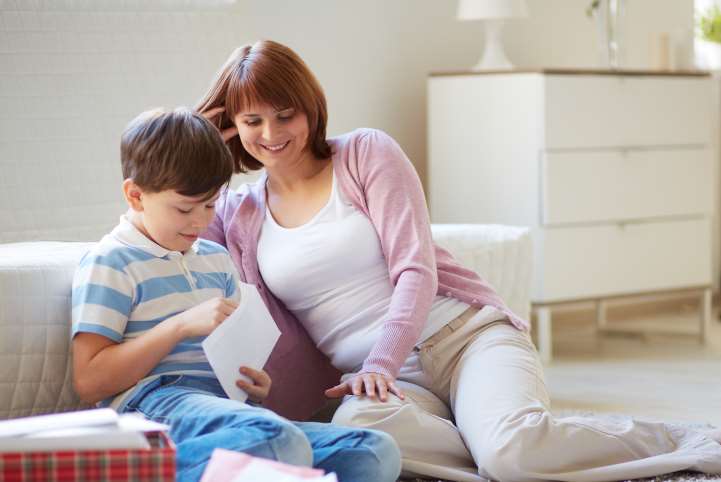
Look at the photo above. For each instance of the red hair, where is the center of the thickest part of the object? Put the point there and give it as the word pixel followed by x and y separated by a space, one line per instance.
pixel 267 72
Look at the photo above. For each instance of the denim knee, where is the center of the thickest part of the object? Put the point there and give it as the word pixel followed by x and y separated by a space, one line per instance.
pixel 376 458
pixel 290 445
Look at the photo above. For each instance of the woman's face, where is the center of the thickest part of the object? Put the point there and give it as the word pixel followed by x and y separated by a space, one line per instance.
pixel 273 137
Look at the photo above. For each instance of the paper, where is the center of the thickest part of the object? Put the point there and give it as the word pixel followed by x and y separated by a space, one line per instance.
pixel 82 430
pixel 245 338
pixel 229 466
pixel 258 470
pixel 57 421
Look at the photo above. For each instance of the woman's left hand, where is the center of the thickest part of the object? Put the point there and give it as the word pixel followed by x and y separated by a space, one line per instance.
pixel 373 384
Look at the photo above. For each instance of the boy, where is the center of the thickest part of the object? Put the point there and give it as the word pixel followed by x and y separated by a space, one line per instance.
pixel 147 295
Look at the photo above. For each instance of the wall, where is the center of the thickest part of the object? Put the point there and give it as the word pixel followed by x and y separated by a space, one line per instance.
pixel 73 72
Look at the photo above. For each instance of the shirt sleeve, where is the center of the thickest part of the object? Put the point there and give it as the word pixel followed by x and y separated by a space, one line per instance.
pixel 102 297
pixel 396 206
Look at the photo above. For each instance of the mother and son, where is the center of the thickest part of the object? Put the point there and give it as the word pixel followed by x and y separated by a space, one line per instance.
pixel 438 378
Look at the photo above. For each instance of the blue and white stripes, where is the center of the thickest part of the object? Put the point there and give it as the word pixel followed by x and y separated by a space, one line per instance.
pixel 127 284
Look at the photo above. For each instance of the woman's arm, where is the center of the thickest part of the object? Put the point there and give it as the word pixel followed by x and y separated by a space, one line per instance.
pixel 395 203
pixel 397 208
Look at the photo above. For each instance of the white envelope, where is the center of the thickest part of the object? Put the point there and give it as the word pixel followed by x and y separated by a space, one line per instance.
pixel 245 338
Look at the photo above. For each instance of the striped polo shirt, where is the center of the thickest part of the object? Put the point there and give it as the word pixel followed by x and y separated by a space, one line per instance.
pixel 127 284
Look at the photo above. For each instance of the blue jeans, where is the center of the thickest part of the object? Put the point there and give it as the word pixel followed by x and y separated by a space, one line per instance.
pixel 202 418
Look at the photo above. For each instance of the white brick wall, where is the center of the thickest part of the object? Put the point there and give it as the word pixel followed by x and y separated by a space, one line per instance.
pixel 74 72
pixel 70 79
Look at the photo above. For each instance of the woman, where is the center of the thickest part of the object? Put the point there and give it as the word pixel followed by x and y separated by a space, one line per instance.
pixel 336 235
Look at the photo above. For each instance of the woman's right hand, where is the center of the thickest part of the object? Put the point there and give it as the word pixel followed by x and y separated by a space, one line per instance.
pixel 213 116
pixel 202 319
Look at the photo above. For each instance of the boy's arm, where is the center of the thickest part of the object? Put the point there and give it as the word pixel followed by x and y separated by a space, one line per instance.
pixel 102 367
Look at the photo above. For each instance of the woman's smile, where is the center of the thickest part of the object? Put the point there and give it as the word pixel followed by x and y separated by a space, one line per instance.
pixel 274 148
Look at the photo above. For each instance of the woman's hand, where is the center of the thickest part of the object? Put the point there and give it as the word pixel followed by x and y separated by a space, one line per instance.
pixel 212 115
pixel 260 388
pixel 373 384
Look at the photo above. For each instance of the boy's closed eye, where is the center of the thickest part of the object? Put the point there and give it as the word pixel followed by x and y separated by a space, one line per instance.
pixel 188 211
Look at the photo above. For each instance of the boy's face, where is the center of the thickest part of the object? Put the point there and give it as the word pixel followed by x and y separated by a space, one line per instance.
pixel 170 219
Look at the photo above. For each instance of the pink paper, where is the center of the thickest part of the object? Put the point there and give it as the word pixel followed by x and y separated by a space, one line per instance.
pixel 226 465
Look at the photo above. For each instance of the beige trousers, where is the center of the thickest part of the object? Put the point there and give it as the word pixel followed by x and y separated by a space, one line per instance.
pixel 485 375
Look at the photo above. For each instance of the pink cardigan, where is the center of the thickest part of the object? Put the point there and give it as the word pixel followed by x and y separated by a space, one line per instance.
pixel 377 177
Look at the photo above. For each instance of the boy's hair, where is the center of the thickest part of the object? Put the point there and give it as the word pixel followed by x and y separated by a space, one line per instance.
pixel 178 150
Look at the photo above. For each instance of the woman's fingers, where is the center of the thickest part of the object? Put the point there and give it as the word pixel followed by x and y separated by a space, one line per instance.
pixel 229 133
pixel 373 385
pixel 357 386
pixel 369 383
pixel 382 389
pixel 210 113
pixel 396 391
pixel 338 391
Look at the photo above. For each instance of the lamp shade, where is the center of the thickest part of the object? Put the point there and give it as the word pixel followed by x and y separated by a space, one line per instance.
pixel 479 9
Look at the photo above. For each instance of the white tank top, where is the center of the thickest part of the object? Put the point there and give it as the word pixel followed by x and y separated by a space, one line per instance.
pixel 332 275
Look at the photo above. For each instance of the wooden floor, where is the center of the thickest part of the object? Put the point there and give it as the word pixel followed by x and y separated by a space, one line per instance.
pixel 670 377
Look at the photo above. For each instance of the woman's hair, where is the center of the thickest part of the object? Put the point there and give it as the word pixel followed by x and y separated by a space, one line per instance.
pixel 267 72
pixel 178 150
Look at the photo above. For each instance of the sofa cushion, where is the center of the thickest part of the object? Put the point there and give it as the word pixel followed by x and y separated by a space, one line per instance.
pixel 35 286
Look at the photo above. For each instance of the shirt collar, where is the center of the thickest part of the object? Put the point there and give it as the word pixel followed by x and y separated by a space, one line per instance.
pixel 126 233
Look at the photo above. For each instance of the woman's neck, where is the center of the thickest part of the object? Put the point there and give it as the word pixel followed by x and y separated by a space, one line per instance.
pixel 298 176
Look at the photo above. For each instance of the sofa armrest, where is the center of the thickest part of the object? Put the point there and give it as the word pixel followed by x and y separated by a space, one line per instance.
pixel 502 255
pixel 35 288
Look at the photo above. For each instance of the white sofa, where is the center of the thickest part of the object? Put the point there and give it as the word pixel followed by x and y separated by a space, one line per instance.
pixel 35 284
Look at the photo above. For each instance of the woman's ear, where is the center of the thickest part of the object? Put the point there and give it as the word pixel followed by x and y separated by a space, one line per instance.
pixel 133 195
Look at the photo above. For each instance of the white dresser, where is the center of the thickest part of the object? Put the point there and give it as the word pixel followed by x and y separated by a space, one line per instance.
pixel 612 171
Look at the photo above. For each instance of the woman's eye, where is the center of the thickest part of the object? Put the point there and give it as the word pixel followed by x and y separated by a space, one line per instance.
pixel 285 118
pixel 184 211
pixel 252 123
pixel 210 206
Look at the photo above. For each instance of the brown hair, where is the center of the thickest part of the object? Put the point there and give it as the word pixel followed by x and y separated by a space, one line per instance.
pixel 270 73
pixel 178 150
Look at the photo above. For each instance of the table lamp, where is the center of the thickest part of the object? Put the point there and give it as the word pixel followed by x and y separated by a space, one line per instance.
pixel 494 12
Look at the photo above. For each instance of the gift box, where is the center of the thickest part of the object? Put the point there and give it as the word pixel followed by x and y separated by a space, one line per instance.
pixel 156 464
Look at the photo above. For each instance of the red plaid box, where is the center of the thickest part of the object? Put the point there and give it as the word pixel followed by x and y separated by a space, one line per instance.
pixel 138 465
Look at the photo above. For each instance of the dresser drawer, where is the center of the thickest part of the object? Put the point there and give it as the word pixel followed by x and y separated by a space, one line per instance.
pixel 615 185
pixel 603 111
pixel 603 260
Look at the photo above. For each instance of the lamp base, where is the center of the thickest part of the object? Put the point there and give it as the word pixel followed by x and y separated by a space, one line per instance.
pixel 494 57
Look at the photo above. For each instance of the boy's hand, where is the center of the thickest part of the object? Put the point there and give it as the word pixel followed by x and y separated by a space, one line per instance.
pixel 204 318
pixel 260 388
